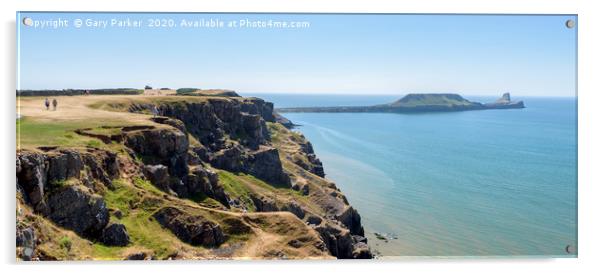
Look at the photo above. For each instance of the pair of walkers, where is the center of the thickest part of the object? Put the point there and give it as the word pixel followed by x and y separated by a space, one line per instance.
pixel 54 104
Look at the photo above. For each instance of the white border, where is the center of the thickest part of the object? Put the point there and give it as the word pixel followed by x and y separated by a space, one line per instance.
pixel 589 132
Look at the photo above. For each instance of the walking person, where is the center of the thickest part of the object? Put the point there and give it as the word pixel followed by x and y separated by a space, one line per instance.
pixel 155 111
pixel 54 103
pixel 47 103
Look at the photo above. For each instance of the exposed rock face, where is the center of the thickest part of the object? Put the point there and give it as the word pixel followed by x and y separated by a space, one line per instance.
pixel 115 235
pixel 42 175
pixel 211 120
pixel 342 244
pixel 26 240
pixel 102 165
pixel 204 181
pixel 73 207
pixel 242 120
pixel 63 165
pixel 158 175
pixel 263 163
pixel 314 164
pixel 193 229
pixel 295 209
pixel 338 240
pixel 168 147
pixel 264 204
pixel 504 99
pixel 352 220
pixel 505 102
pixel 31 176
pixel 361 251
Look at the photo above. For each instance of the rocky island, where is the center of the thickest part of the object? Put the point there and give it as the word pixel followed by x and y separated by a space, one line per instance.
pixel 201 176
pixel 417 103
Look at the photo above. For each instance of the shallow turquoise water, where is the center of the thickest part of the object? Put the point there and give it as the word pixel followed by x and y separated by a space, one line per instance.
pixel 495 182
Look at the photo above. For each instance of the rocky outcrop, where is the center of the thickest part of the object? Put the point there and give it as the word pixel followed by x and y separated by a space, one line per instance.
pixel 352 220
pixel 338 240
pixel 158 175
pixel 213 122
pixel 75 208
pixel 505 102
pixel 115 235
pixel 263 203
pixel 44 178
pixel 26 242
pixel 311 163
pixel 168 147
pixel 263 163
pixel 204 181
pixel 32 177
pixel 212 119
pixel 294 208
pixel 63 165
pixel 190 228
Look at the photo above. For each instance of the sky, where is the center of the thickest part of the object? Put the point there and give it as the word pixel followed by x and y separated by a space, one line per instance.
pixel 331 54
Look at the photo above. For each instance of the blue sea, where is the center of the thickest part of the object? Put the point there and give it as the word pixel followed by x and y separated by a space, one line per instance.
pixel 474 183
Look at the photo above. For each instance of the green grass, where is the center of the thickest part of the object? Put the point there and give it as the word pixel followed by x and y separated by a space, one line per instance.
pixel 104 252
pixel 144 231
pixel 65 243
pixel 237 185
pixel 32 134
pixel 105 130
pixel 234 187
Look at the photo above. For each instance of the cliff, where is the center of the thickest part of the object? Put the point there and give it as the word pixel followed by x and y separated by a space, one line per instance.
pixel 210 177
pixel 417 103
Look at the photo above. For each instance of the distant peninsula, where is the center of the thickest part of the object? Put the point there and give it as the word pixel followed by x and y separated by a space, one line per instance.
pixel 416 103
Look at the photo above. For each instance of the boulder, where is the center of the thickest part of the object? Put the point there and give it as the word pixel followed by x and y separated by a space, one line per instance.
pixel 263 204
pixel 158 175
pixel 190 227
pixel 137 256
pixel 115 235
pixel 74 208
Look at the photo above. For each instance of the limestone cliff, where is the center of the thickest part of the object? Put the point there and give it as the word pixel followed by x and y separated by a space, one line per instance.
pixel 213 177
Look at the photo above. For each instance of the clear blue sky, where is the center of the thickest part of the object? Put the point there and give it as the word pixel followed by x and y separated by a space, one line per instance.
pixel 351 54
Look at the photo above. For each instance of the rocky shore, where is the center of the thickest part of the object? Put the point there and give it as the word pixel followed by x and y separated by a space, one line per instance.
pixel 219 174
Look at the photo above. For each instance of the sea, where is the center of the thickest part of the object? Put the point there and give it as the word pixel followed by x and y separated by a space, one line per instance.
pixel 473 183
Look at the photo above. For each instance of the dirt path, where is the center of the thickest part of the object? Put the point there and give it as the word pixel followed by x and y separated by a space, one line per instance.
pixel 76 108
